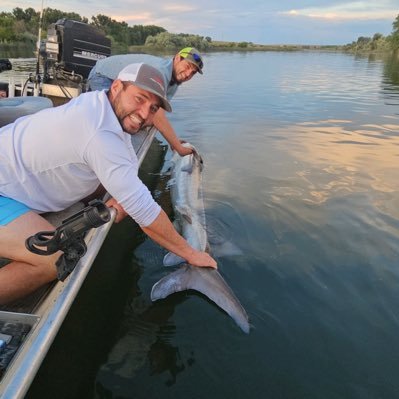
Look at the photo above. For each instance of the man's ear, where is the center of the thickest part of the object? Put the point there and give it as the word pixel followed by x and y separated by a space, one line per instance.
pixel 116 87
pixel 177 59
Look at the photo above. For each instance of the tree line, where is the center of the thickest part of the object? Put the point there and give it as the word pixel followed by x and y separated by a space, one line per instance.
pixel 22 26
pixel 378 42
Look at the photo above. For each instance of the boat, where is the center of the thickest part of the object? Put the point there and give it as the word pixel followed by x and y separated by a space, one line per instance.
pixel 29 326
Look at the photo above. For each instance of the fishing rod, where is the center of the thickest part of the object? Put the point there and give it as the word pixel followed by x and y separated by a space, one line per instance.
pixel 37 78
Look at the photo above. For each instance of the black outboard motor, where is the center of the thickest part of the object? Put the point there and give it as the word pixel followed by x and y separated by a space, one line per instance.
pixel 5 64
pixel 72 48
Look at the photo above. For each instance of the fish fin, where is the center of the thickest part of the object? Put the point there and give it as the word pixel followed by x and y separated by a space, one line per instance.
pixel 171 259
pixel 188 218
pixel 173 282
pixel 226 248
pixel 188 168
pixel 185 212
pixel 208 282
pixel 218 291
pixel 177 225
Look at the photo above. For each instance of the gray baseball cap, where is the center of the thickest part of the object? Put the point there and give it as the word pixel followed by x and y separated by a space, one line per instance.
pixel 147 78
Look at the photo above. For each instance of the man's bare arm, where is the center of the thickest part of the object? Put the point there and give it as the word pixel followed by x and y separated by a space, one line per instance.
pixel 162 123
pixel 161 230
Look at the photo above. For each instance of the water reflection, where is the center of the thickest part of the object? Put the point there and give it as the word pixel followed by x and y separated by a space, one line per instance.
pixel 391 71
pixel 336 154
pixel 301 153
pixel 390 81
pixel 21 69
pixel 16 51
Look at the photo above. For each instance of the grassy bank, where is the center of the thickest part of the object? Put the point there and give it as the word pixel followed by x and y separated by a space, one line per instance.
pixel 17 50
pixel 26 50
pixel 232 46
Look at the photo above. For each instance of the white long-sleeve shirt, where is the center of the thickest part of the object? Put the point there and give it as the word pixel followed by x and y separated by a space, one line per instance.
pixel 53 158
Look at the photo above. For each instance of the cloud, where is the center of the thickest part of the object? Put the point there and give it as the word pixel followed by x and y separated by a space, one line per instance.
pixel 174 17
pixel 180 8
pixel 357 10
pixel 274 21
pixel 142 18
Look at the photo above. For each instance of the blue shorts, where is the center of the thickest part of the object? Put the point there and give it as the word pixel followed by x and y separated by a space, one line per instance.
pixel 11 209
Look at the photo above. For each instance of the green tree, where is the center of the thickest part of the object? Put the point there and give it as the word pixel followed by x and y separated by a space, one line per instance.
pixel 27 19
pixel 394 38
pixel 165 40
pixel 172 41
pixel 122 33
pixel 6 27
pixel 150 30
pixel 26 15
pixel 51 16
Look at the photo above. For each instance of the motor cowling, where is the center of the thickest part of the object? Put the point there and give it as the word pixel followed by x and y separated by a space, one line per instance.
pixel 72 48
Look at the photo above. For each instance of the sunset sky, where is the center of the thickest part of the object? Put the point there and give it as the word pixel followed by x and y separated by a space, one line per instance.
pixel 257 21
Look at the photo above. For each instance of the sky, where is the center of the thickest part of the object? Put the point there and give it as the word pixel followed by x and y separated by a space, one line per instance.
pixel 257 21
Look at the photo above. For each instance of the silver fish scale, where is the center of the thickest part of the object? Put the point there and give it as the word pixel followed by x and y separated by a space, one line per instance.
pixel 187 196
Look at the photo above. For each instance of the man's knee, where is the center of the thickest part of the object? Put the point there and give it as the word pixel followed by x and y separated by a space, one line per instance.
pixel 14 235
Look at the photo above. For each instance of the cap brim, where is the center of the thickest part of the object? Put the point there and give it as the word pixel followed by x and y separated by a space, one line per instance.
pixel 164 101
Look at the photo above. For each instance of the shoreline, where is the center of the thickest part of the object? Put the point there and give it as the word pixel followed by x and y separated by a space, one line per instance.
pixel 27 50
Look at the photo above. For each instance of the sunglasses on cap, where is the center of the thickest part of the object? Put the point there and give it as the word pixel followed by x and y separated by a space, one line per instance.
pixel 197 58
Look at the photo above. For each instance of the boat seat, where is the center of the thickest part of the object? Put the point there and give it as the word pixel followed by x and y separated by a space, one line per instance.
pixel 14 107
pixel 14 328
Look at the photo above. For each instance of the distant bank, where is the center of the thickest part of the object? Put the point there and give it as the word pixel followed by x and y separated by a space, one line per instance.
pixel 27 50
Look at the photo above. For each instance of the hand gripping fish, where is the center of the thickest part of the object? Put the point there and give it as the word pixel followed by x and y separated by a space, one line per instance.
pixel 188 204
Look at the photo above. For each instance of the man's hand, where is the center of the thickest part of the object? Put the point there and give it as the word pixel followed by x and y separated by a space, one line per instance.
pixel 161 230
pixel 183 150
pixel 120 212
pixel 201 259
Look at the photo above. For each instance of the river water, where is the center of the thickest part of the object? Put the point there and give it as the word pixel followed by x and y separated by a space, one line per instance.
pixel 301 153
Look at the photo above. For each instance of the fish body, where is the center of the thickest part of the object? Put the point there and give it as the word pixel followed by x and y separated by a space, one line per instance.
pixel 188 204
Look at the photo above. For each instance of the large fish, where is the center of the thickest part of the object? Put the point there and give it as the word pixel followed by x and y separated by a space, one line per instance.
pixel 187 200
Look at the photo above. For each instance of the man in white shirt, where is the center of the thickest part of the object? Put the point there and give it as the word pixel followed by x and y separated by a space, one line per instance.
pixel 51 159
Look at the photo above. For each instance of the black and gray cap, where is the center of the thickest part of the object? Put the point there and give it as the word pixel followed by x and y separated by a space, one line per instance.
pixel 147 78
pixel 192 55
